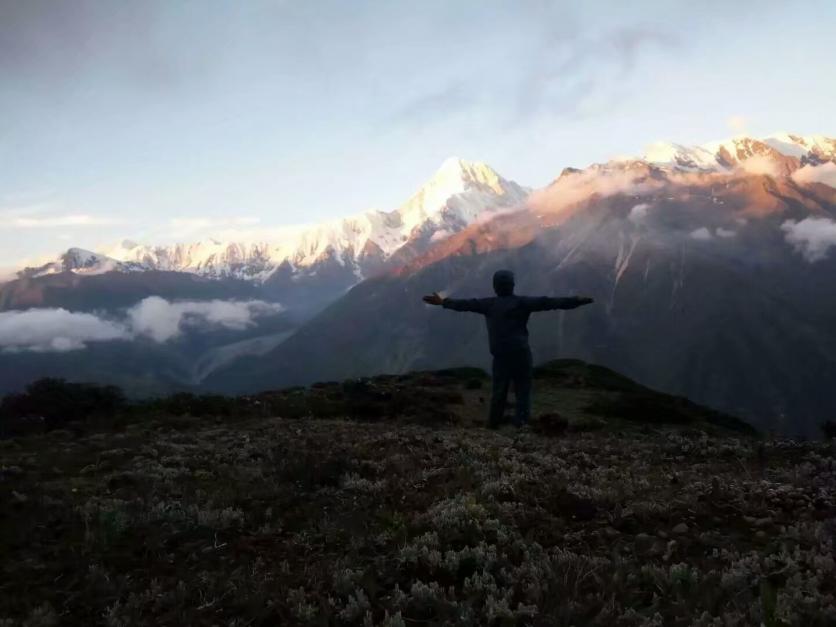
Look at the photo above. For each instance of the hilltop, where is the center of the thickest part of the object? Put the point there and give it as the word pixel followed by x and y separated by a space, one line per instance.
pixel 623 506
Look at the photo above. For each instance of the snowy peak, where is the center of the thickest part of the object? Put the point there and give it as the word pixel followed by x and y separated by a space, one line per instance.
pixel 810 150
pixel 448 190
pixel 458 175
pixel 784 149
pixel 77 260
pixel 679 156
pixel 457 194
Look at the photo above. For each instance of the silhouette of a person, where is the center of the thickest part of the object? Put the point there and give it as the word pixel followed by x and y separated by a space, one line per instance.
pixel 507 315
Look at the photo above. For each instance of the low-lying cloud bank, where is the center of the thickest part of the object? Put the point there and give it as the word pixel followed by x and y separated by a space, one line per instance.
pixel 59 330
pixel 812 237
pixel 580 185
pixel 824 173
pixel 161 320
pixel 54 330
pixel 701 233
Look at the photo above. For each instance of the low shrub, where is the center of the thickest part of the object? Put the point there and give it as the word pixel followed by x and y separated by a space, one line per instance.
pixel 54 403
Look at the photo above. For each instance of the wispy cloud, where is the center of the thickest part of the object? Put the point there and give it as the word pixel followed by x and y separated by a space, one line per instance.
pixel 568 71
pixel 210 223
pixel 11 210
pixel 60 42
pixel 181 228
pixel 51 222
pixel 573 66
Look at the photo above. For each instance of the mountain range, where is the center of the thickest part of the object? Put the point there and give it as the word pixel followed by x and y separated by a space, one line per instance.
pixel 709 266
pixel 459 193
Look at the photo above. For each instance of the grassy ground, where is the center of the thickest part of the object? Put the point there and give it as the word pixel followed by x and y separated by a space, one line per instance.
pixel 279 521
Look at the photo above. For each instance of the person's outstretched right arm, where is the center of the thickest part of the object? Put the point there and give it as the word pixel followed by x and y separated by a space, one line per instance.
pixel 546 303
pixel 476 305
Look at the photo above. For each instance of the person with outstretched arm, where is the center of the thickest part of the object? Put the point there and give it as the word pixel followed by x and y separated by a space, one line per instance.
pixel 506 315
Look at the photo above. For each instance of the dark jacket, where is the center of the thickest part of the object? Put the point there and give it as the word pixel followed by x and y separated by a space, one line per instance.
pixel 507 316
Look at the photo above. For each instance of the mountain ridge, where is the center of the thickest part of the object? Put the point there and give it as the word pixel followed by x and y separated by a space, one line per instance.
pixel 458 193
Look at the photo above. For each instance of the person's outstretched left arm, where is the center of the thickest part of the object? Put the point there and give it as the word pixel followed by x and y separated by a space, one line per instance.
pixel 546 303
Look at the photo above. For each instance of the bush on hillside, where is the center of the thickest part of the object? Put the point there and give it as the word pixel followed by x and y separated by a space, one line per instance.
pixel 53 403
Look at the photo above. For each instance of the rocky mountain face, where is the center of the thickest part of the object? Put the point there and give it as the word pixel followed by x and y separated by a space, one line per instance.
pixel 710 272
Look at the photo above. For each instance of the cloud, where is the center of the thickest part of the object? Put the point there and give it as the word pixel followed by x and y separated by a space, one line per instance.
pixel 701 234
pixel 452 97
pixel 737 123
pixel 162 320
pixel 601 182
pixel 236 229
pixel 488 216
pixel 440 235
pixel 132 43
pixel 55 330
pixel 51 222
pixel 638 213
pixel 576 72
pixel 825 173
pixel 204 223
pixel 21 204
pixel 760 164
pixel 812 237
pixel 59 330
pixel 561 67
pixel 726 233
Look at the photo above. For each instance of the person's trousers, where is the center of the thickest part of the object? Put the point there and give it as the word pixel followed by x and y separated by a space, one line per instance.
pixel 507 368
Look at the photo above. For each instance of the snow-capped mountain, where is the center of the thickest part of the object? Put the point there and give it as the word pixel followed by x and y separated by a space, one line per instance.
pixel 80 261
pixel 780 149
pixel 459 193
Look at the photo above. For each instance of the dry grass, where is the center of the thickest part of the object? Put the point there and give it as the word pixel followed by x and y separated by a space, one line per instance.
pixel 275 521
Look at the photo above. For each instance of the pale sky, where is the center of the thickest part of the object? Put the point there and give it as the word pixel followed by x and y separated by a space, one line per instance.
pixel 162 121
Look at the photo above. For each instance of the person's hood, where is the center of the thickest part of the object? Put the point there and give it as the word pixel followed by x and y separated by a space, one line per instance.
pixel 503 282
